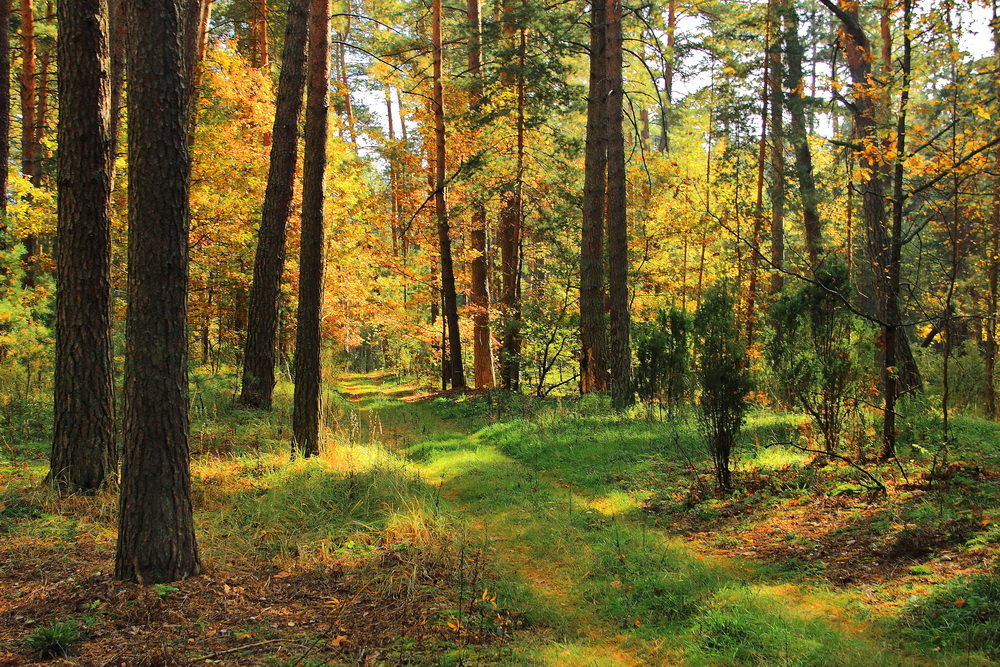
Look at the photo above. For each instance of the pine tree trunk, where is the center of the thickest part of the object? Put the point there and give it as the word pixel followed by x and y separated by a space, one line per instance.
pixel 482 339
pixel 449 297
pixel 993 263
pixel 668 77
pixel 195 45
pixel 620 356
pixel 258 34
pixel 156 540
pixel 758 218
pixel 4 119
pixel 83 447
pixel 799 137
pixel 593 328
pixel 593 334
pixel 117 41
pixel 308 367
pixel 777 187
pixel 262 321
pixel 29 160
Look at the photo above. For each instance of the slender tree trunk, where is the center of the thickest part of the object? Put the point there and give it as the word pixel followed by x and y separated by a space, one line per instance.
pixel 511 231
pixel 195 44
pixel 758 218
pixel 308 369
pixel 258 34
pixel 29 146
pixel 4 117
pixel 884 242
pixel 262 321
pixel 620 354
pixel 593 329
pixel 799 137
pixel 777 188
pixel 117 41
pixel 156 540
pixel 668 76
pixel 449 296
pixel 83 447
pixel 42 112
pixel 482 339
pixel 993 263
pixel 344 82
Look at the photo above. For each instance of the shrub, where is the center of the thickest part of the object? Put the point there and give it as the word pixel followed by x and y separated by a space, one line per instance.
pixel 663 355
pixel 55 639
pixel 723 375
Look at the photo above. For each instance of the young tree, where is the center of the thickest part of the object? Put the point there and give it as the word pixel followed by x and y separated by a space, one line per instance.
pixel 83 451
pixel 262 321
pixel 4 116
pixel 156 541
pixel 308 372
pixel 723 371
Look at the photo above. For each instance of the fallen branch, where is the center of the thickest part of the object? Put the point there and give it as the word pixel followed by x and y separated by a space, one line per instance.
pixel 879 486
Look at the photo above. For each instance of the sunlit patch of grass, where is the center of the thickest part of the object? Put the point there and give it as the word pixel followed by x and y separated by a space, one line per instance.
pixel 776 456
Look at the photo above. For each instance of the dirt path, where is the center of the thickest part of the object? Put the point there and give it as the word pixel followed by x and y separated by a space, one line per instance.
pixel 552 538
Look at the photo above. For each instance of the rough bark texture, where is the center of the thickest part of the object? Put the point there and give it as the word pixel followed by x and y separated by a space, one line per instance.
pixel 777 186
pixel 449 298
pixel 899 369
pixel 482 339
pixel 593 332
pixel 262 321
pixel 258 33
pixel 798 134
pixel 308 372
pixel 156 541
pixel 29 159
pixel 620 356
pixel 4 117
pixel 83 451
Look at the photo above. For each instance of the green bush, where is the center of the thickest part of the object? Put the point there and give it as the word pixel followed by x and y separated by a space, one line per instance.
pixel 55 640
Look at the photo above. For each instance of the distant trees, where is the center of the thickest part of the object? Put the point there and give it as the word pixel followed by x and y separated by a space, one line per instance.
pixel 83 447
pixel 156 541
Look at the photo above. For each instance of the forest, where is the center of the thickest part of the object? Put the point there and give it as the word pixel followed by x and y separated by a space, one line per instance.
pixel 555 332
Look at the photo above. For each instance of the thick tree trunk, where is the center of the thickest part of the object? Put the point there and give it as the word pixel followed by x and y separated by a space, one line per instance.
pixel 799 137
pixel 29 145
pixel 308 369
pixel 449 297
pixel 262 321
pixel 156 540
pixel 482 339
pixel 620 351
pixel 593 329
pixel 83 447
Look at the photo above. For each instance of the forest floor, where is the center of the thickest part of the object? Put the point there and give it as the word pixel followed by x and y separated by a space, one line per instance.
pixel 442 529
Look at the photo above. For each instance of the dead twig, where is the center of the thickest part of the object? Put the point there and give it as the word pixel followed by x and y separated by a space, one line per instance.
pixel 879 486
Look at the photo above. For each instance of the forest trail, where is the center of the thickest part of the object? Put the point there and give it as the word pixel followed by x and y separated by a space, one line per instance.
pixel 567 547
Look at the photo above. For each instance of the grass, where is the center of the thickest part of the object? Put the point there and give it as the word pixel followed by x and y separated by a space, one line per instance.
pixel 55 640
pixel 559 517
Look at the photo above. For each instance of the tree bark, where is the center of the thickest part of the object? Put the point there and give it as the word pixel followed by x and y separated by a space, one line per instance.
pixel 29 146
pixel 993 261
pixel 777 187
pixel 83 448
pixel 799 138
pixel 449 297
pixel 758 218
pixel 262 320
pixel 482 338
pixel 668 77
pixel 4 117
pixel 156 540
pixel 258 34
pixel 593 330
pixel 308 368
pixel 117 39
pixel 195 16
pixel 620 356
